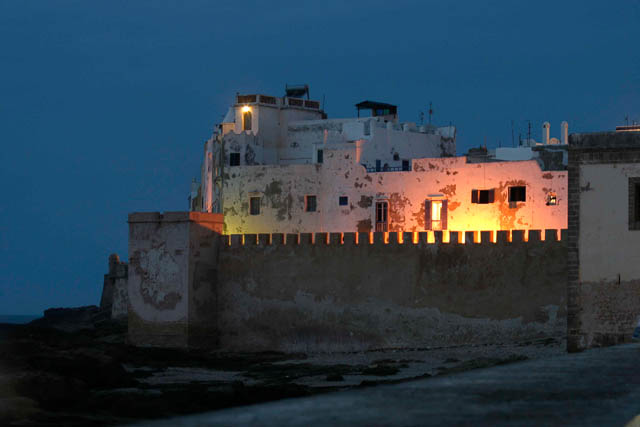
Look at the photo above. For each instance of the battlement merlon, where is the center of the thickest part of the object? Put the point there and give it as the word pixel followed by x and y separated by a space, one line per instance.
pixel 417 239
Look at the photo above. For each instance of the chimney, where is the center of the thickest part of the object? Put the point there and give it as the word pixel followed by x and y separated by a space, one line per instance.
pixel 545 133
pixel 564 133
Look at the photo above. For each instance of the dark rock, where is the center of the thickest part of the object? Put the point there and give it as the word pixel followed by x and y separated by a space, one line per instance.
pixel 335 377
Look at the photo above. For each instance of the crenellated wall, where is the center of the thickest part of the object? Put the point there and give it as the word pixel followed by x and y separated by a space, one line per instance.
pixel 356 291
pixel 189 285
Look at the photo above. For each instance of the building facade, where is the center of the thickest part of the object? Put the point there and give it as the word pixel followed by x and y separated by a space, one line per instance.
pixel 604 237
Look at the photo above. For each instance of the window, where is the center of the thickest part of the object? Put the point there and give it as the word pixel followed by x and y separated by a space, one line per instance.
pixel 436 214
pixel 518 194
pixel 634 203
pixel 396 157
pixel 482 196
pixel 552 199
pixel 382 216
pixel 246 120
pixel 343 201
pixel 254 206
pixel 310 203
pixel 406 166
pixel 320 156
pixel 234 159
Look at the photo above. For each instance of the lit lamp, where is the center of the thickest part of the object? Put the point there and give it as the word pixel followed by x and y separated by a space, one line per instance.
pixel 246 108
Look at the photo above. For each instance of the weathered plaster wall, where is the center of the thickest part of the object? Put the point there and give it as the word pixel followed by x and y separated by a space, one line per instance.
pixel 608 248
pixel 171 284
pixel 344 297
pixel 115 297
pixel 604 261
pixel 282 190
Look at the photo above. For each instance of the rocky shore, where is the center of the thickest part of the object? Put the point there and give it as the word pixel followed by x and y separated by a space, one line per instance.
pixel 74 367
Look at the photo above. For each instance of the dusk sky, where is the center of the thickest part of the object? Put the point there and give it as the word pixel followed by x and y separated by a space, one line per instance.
pixel 104 106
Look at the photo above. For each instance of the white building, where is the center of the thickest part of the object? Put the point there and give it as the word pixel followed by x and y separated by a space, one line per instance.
pixel 278 165
pixel 267 130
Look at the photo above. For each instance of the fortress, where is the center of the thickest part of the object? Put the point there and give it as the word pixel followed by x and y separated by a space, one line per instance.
pixel 316 234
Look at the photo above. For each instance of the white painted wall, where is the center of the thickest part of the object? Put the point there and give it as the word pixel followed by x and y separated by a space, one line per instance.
pixel 283 210
pixel 607 246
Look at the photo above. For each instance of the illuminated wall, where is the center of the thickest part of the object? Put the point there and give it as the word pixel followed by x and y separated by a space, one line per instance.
pixel 282 191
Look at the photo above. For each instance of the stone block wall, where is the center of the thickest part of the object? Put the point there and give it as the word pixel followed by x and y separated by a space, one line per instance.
pixel 189 285
pixel 357 291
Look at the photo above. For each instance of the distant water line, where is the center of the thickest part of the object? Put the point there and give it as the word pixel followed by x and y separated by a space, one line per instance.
pixel 18 318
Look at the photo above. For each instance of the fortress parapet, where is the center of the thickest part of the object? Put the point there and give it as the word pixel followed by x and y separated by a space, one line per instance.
pixel 419 239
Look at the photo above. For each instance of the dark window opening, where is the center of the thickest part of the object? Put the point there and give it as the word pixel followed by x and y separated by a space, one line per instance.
pixel 254 206
pixel 382 216
pixel 234 159
pixel 406 165
pixel 320 156
pixel 310 203
pixel 396 157
pixel 246 120
pixel 518 194
pixel 343 201
pixel 482 196
pixel 378 165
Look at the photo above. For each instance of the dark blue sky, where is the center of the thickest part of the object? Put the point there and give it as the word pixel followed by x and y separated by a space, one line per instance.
pixel 104 106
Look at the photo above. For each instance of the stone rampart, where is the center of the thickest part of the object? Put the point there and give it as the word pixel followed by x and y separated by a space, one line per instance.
pixel 355 291
pixel 191 286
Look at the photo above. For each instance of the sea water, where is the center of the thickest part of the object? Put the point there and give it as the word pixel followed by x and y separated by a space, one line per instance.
pixel 18 318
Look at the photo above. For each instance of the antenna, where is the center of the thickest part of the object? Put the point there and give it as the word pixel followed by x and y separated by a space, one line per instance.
pixel 529 132
pixel 323 109
pixel 421 117
pixel 626 119
pixel 513 142
pixel 430 111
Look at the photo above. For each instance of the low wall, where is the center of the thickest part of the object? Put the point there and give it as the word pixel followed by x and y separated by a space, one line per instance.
pixel 356 291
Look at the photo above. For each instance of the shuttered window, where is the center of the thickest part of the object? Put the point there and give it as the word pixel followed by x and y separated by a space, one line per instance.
pixel 482 196
pixel 436 213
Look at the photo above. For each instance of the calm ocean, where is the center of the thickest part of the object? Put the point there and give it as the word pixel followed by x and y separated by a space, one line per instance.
pixel 20 318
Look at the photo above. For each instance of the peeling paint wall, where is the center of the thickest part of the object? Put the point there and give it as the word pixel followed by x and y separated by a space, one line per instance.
pixel 172 278
pixel 450 178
